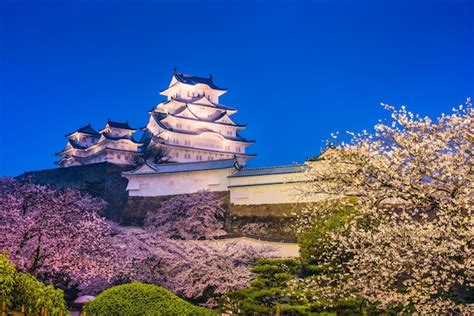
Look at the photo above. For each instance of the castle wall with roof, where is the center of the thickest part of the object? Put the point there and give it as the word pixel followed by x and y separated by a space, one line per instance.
pixel 247 186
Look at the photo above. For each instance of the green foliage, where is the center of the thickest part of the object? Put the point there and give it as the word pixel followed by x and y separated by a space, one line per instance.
pixel 141 299
pixel 267 291
pixel 23 289
pixel 314 241
pixel 7 278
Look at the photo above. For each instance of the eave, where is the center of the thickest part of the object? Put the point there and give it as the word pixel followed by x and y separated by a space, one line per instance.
pixel 209 150
pixel 236 126
pixel 183 132
pixel 217 106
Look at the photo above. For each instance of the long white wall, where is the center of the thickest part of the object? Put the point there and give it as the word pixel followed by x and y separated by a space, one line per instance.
pixel 178 183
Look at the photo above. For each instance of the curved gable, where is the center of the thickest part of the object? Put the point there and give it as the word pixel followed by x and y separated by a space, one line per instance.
pixel 225 119
pixel 186 112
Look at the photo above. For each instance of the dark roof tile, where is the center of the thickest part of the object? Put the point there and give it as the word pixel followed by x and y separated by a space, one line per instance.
pixel 87 129
pixel 193 80
pixel 248 172
pixel 189 166
pixel 120 125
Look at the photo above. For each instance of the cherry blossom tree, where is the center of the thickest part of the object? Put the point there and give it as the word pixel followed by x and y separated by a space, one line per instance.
pixel 408 245
pixel 198 215
pixel 50 232
pixel 199 271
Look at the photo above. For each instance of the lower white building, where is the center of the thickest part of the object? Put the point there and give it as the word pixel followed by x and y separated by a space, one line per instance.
pixel 180 178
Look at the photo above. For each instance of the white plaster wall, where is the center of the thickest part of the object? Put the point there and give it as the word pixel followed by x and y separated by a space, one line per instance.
pixel 263 179
pixel 264 194
pixel 268 189
pixel 188 155
pixel 178 183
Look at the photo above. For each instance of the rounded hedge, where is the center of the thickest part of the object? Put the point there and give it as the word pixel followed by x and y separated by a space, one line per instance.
pixel 141 299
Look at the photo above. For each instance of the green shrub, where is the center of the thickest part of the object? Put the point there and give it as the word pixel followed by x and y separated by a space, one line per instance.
pixel 23 289
pixel 141 299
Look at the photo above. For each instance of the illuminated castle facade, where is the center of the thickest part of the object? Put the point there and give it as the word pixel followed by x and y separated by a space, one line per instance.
pixel 191 125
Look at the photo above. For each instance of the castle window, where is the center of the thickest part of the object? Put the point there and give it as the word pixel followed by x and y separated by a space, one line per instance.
pixel 119 157
pixel 238 149
pixel 176 154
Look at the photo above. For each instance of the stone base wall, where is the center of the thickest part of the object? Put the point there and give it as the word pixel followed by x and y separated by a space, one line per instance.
pixel 102 180
pixel 138 206
pixel 266 221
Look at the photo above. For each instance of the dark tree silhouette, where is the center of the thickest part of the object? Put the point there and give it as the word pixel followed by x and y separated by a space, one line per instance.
pixel 153 153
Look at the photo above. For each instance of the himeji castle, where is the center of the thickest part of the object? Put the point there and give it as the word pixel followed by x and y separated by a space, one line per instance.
pixel 203 145
pixel 191 125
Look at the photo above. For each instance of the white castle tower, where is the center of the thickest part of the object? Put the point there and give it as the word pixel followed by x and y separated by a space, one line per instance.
pixel 192 125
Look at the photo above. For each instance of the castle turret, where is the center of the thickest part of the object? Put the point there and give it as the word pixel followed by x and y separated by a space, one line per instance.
pixel 114 143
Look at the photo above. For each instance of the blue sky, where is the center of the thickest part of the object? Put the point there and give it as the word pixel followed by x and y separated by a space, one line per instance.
pixel 296 71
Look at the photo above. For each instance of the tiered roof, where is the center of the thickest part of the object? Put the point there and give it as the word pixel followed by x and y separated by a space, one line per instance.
pixel 120 125
pixel 193 80
pixel 159 117
pixel 202 102
pixel 125 137
pixel 74 144
pixel 87 129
